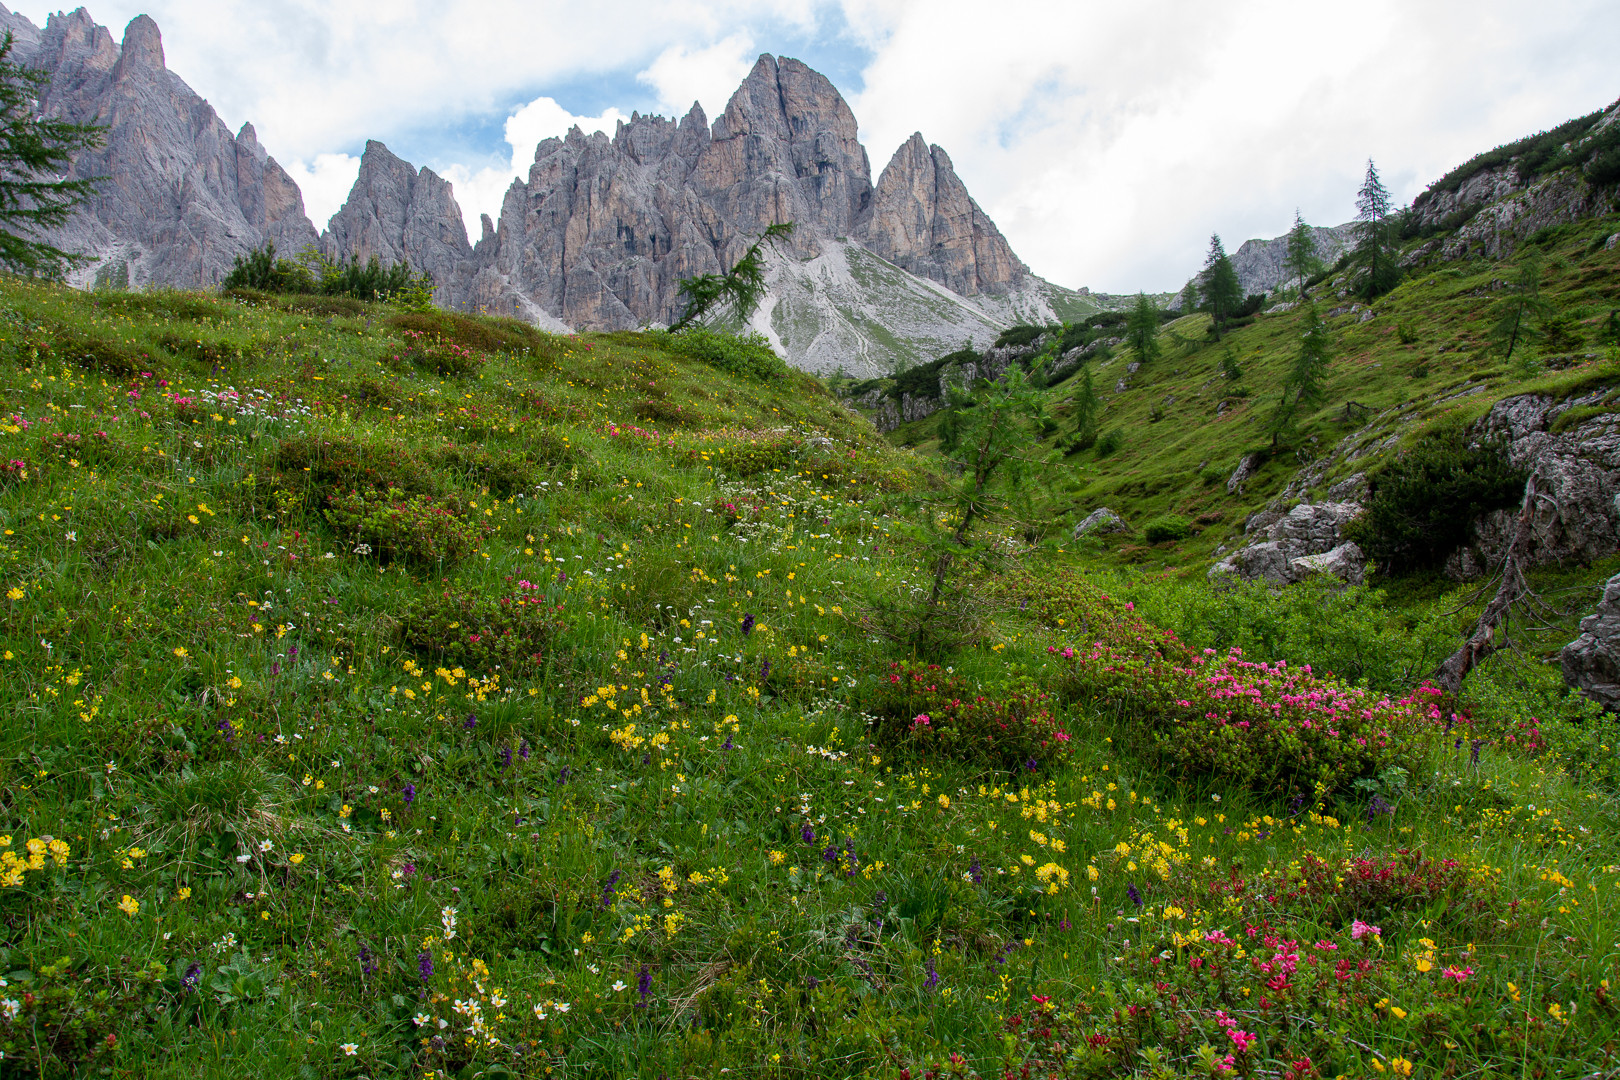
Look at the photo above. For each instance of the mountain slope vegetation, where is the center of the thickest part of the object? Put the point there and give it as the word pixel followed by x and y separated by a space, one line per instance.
pixel 406 693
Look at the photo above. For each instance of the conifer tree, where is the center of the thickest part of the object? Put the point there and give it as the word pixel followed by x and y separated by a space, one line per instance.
pixel 1189 298
pixel 1375 239
pixel 1300 258
pixel 741 288
pixel 1087 408
pixel 1304 385
pixel 1222 292
pixel 34 153
pixel 1142 330
pixel 1520 312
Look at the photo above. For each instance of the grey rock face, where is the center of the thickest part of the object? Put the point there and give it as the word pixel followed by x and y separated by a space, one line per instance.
pixel 924 221
pixel 602 230
pixel 1291 547
pixel 1245 469
pixel 1101 520
pixel 182 197
pixel 1592 661
pixel 1259 263
pixel 401 215
pixel 1498 229
pixel 1578 475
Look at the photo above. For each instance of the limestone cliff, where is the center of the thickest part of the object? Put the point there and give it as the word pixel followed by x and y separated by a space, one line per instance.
pixel 399 215
pixel 182 195
pixel 924 221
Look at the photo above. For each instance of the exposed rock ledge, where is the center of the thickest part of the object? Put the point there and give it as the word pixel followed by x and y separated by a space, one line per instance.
pixel 1305 542
pixel 1592 661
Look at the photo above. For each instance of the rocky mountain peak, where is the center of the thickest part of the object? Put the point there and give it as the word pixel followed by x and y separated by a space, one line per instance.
pixel 923 220
pixel 143 45
pixel 400 214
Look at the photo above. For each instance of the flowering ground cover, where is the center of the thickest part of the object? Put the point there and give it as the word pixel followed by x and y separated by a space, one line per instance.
pixel 382 699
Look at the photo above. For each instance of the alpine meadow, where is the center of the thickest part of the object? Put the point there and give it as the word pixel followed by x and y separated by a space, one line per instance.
pixel 414 664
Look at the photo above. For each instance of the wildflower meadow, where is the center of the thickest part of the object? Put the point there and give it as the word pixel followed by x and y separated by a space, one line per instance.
pixel 404 694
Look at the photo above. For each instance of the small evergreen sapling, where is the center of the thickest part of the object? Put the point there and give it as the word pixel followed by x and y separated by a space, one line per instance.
pixel 1304 385
pixel 1522 310
pixel 1142 330
pixel 1300 259
pixel 990 438
pixel 740 289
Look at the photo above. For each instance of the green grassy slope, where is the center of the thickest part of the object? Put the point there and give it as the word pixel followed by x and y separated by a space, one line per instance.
pixel 1423 356
pixel 363 720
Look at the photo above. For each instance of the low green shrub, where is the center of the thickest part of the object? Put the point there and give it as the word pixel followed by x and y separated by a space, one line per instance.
pixel 1110 441
pixel 1276 730
pixel 1353 633
pixel 1423 504
pixel 931 712
pixel 482 333
pixel 395 526
pixel 315 468
pixel 1019 336
pixel 1165 528
pixel 747 356
pixel 457 626
pixel 436 354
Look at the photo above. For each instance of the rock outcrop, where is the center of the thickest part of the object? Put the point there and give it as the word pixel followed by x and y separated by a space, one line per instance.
pixel 1101 520
pixel 399 215
pixel 1496 208
pixel 1291 547
pixel 1578 476
pixel 182 196
pixel 1592 661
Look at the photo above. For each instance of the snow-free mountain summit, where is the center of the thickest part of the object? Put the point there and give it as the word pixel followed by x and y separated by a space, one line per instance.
pixel 597 236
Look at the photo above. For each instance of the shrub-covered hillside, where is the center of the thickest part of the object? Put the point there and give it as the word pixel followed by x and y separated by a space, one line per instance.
pixel 391 693
pixel 1413 360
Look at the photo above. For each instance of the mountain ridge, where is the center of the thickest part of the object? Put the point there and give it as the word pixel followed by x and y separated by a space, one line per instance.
pixel 597 236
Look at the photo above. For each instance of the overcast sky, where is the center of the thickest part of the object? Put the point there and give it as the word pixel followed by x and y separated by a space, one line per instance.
pixel 1108 140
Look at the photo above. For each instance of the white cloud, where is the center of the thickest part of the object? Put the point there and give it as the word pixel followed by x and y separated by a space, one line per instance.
pixel 1106 139
pixel 708 76
pixel 325 182
pixel 480 191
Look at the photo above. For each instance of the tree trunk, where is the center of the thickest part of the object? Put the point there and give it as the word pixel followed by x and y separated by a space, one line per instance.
pixel 1484 641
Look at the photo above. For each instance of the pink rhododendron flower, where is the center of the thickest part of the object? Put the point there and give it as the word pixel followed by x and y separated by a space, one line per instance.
pixel 1359 930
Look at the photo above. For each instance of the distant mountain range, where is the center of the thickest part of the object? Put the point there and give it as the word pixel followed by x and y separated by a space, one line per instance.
pixel 598 237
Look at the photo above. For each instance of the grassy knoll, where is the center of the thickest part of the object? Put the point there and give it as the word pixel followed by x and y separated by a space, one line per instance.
pixel 392 694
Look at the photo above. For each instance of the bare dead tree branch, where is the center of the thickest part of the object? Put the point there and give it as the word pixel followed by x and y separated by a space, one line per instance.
pixel 1513 590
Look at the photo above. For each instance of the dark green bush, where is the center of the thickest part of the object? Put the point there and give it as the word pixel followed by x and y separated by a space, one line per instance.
pixel 923 380
pixel 1167 527
pixel 482 333
pixel 1019 336
pixel 747 356
pixel 99 354
pixel 260 269
pixel 1424 503
pixel 320 467
pixel 463 627
pixel 1110 441
pixel 395 526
